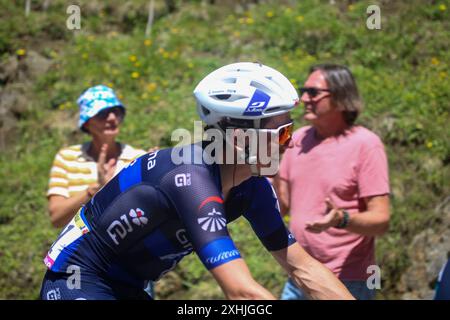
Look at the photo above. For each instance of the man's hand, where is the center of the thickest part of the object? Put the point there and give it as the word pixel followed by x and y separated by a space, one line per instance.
pixel 105 169
pixel 332 219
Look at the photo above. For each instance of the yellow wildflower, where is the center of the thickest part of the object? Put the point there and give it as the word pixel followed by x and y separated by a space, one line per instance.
pixel 151 87
pixel 21 52
pixel 434 61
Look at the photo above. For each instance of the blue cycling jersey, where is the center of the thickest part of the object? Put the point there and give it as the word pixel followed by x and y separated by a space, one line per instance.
pixel 155 212
pixel 443 284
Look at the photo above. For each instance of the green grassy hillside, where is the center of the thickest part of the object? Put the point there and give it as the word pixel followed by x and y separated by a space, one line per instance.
pixel 401 70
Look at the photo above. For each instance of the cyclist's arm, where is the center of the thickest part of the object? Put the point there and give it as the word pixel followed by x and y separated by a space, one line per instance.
pixel 237 283
pixel 281 187
pixel 316 280
pixel 264 217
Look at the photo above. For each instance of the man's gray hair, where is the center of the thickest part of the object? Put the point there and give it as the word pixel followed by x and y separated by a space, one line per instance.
pixel 343 90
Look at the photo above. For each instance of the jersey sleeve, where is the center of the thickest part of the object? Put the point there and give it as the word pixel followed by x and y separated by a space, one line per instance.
pixel 264 216
pixel 199 203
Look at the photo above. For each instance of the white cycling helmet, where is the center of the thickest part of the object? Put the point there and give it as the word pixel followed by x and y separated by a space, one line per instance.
pixel 244 90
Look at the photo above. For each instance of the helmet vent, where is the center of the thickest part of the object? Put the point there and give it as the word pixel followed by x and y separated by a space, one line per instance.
pixel 229 97
pixel 260 87
pixel 223 96
pixel 205 111
pixel 229 80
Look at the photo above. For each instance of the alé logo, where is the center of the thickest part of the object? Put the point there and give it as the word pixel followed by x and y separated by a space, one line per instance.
pixel 213 222
pixel 123 226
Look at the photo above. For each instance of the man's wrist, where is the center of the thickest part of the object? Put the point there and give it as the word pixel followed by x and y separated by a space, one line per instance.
pixel 343 223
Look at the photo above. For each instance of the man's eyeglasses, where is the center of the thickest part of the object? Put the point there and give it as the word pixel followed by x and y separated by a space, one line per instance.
pixel 311 91
pixel 103 115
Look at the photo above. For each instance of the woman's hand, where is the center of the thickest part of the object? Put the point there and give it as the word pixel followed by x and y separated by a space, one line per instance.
pixel 105 169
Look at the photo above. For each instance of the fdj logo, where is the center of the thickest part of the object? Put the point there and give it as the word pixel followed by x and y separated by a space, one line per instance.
pixel 120 228
pixel 183 179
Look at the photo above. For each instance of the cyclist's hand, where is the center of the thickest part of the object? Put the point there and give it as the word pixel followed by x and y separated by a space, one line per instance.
pixel 331 219
pixel 105 169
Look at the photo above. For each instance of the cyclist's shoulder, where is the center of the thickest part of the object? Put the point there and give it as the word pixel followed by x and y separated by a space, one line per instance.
pixel 182 162
pixel 255 186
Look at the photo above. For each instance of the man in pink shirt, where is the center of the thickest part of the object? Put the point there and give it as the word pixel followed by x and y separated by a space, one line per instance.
pixel 334 182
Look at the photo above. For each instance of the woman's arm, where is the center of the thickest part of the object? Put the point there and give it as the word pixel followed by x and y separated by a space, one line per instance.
pixel 62 209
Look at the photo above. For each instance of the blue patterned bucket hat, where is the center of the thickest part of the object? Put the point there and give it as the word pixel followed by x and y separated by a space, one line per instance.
pixel 94 100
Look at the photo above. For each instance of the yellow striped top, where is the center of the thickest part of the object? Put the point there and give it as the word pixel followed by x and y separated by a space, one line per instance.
pixel 74 170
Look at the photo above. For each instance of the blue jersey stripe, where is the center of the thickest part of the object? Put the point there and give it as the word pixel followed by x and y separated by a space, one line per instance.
pixel 131 175
pixel 83 217
pixel 65 254
pixel 218 252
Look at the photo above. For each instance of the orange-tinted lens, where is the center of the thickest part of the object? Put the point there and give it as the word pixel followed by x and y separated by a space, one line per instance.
pixel 285 134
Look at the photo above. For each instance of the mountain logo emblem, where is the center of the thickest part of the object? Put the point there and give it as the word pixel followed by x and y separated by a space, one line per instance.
pixel 213 222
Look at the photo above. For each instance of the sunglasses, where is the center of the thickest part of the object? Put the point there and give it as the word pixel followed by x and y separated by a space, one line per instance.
pixel 311 91
pixel 284 132
pixel 103 115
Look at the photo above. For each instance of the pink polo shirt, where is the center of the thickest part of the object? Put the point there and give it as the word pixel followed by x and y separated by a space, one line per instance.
pixel 346 169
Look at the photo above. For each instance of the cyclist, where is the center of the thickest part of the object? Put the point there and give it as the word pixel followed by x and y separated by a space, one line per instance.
pixel 443 284
pixel 155 212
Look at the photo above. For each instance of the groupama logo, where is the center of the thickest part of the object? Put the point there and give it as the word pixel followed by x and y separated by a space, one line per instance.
pixel 213 222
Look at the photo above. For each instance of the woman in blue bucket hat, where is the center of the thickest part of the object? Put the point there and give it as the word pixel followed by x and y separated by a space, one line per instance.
pixel 79 171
